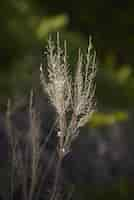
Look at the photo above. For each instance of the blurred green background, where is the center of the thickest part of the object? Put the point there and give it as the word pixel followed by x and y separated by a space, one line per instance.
pixel 26 24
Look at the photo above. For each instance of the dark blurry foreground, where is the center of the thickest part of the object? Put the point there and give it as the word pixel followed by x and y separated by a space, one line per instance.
pixel 99 158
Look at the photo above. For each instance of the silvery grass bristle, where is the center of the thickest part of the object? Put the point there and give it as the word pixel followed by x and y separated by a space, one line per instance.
pixel 75 96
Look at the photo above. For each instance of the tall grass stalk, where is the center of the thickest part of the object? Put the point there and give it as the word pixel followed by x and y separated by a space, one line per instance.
pixel 73 99
pixel 25 154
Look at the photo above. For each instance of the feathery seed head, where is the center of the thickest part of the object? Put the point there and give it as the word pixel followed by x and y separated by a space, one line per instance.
pixel 68 96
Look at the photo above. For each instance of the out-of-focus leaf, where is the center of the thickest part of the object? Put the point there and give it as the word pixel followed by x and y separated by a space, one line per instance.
pixel 105 119
pixel 123 74
pixel 120 116
pixel 50 24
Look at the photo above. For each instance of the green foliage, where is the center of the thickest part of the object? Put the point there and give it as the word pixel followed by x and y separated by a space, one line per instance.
pixel 24 29
pixel 115 84
pixel 49 24
pixel 25 26
pixel 105 119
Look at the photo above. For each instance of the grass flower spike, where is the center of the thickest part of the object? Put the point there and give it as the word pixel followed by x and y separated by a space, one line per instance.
pixel 71 97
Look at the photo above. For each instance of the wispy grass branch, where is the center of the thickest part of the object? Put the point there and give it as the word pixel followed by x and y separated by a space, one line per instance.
pixel 73 98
